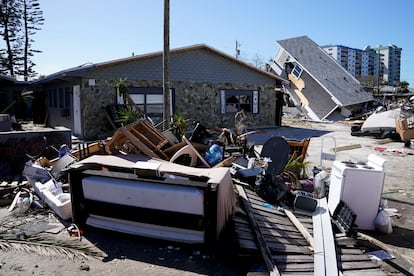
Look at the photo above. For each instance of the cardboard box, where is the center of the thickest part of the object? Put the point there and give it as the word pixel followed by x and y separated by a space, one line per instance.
pixel 402 127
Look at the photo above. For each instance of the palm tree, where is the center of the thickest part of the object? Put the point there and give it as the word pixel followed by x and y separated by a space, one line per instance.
pixel 121 86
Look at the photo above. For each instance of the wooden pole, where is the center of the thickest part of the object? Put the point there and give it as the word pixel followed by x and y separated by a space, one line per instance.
pixel 166 61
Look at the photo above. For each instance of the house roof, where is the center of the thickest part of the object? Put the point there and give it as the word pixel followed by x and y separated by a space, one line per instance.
pixel 339 83
pixel 8 79
pixel 80 71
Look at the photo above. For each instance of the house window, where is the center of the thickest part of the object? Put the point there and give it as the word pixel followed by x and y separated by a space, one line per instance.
pixel 150 101
pixel 233 101
pixel 61 98
pixel 68 97
pixel 3 100
pixel 50 97
pixel 55 97
pixel 297 71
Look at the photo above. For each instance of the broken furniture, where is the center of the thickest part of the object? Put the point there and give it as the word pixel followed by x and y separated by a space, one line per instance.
pixel 299 149
pixel 155 198
pixel 192 152
pixel 142 137
pixel 138 137
pixel 83 150
pixel 46 185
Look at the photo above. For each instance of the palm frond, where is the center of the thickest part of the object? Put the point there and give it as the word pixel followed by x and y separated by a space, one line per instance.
pixel 44 246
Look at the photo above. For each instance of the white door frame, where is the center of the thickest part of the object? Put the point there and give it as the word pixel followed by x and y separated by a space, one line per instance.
pixel 77 119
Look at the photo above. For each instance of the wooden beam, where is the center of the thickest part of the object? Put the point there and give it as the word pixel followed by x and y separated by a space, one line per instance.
pixel 348 147
pixel 300 227
pixel 264 250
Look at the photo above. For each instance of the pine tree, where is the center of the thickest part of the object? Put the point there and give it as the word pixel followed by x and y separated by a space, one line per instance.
pixel 32 19
pixel 10 27
pixel 19 21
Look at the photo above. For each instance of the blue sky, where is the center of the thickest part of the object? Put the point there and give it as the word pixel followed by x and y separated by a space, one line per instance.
pixel 78 31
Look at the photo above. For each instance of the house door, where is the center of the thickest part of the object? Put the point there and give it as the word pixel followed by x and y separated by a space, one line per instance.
pixel 77 122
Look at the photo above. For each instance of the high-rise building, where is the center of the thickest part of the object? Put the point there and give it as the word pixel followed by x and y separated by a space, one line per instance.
pixel 390 63
pixel 369 64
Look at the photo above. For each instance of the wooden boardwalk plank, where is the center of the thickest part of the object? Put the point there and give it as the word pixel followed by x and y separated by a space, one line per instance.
pixel 325 257
pixel 266 254
pixel 289 250
pixel 294 258
pixel 368 272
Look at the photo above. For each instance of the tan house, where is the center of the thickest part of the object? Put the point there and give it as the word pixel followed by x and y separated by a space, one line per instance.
pixel 206 85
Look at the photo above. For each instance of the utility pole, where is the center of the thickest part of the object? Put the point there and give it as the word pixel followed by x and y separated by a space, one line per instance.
pixel 379 69
pixel 237 49
pixel 166 61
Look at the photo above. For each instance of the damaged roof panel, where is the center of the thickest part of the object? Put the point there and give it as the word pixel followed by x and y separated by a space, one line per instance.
pixel 326 71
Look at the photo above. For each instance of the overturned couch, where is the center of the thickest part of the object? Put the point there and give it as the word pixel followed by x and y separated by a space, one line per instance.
pixel 152 198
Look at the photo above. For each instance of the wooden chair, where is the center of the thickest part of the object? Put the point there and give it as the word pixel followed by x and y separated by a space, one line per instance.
pixel 192 152
pixel 140 136
pixel 299 148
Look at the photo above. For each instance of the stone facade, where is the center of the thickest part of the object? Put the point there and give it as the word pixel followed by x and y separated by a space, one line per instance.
pixel 194 101
pixel 197 76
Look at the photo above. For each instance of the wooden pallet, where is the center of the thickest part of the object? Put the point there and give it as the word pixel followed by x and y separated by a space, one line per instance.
pixel 285 250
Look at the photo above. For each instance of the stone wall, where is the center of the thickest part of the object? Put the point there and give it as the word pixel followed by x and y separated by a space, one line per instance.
pixel 16 146
pixel 193 100
pixel 94 99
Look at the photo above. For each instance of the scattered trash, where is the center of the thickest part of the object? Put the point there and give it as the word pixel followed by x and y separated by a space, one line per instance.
pixel 304 201
pixel 214 154
pixel 383 222
pixel 74 231
pixel 267 205
pixel 381 255
pixel 21 202
pixel 321 184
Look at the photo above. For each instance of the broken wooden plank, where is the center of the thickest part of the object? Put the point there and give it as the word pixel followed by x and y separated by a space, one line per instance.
pixel 348 147
pixel 300 227
pixel 366 272
pixel 294 258
pixel 299 268
pixel 384 141
pixel 267 256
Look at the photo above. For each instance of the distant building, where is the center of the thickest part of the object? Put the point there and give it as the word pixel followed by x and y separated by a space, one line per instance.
pixel 369 64
pixel 319 85
pixel 390 63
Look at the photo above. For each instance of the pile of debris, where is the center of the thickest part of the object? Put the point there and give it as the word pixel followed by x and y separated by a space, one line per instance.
pixel 267 172
pixel 150 183
pixel 396 122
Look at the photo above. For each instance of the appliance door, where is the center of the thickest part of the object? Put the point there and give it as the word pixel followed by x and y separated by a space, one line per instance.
pixel 362 193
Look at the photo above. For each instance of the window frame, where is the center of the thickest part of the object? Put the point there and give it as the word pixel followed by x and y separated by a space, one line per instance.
pixel 238 94
pixel 297 71
pixel 146 91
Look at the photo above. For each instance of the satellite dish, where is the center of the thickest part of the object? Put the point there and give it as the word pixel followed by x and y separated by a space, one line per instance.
pixel 277 150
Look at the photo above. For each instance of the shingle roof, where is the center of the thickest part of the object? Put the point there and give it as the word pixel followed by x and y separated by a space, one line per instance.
pixel 325 70
pixel 79 71
pixel 6 78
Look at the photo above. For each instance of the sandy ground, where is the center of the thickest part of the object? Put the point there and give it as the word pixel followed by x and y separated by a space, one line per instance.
pixel 398 184
pixel 127 255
